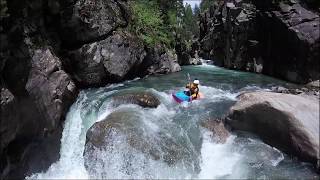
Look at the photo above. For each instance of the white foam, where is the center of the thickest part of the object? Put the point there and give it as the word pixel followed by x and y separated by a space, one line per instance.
pixel 275 162
pixel 215 94
pixel 218 161
pixel 70 164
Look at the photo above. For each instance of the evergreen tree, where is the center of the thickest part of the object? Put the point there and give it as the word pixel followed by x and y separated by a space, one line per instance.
pixel 190 22
pixel 196 11
pixel 205 4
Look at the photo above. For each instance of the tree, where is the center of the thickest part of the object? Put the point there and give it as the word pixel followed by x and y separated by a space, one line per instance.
pixel 190 22
pixel 205 4
pixel 196 11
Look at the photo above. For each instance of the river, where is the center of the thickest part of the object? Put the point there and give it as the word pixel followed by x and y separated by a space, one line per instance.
pixel 242 156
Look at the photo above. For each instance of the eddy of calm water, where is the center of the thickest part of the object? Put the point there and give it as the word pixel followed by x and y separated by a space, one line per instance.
pixel 242 156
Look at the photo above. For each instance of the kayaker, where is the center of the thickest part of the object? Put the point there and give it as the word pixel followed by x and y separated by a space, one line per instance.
pixel 193 89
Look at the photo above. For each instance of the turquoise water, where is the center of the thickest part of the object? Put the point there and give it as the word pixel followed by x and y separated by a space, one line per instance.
pixel 197 154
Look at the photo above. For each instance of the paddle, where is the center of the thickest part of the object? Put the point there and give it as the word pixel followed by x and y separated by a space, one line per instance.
pixel 189 80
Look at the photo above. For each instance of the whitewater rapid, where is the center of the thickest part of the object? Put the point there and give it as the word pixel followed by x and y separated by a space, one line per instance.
pixel 239 157
pixel 88 110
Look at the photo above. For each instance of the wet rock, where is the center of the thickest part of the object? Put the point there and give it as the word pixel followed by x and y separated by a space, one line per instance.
pixel 144 99
pixel 306 91
pixel 125 129
pixel 159 60
pixel 314 84
pixel 85 21
pixel 110 60
pixel 195 61
pixel 288 122
pixel 219 133
pixel 280 89
pixel 188 56
pixel 50 86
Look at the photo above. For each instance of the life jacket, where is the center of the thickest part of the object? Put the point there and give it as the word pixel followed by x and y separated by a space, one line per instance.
pixel 194 88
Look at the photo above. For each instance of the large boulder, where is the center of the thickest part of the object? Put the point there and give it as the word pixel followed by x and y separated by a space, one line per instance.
pixel 127 131
pixel 144 99
pixel 288 122
pixel 50 87
pixel 84 21
pixel 111 60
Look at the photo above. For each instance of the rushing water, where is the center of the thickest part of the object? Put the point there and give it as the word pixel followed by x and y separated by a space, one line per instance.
pixel 242 156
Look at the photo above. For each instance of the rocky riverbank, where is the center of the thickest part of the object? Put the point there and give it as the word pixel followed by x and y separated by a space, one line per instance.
pixel 280 39
pixel 50 50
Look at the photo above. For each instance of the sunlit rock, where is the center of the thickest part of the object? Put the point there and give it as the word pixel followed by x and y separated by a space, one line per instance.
pixel 286 121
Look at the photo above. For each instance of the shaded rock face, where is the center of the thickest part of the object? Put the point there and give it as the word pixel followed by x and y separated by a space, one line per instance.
pixel 291 43
pixel 188 56
pixel 125 132
pixel 228 35
pixel 288 122
pixel 86 21
pixel 159 60
pixel 219 132
pixel 280 40
pixel 50 86
pixel 32 113
pixel 144 99
pixel 49 49
pixel 110 60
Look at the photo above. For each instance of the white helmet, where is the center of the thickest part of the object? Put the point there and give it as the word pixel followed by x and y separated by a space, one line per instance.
pixel 196 82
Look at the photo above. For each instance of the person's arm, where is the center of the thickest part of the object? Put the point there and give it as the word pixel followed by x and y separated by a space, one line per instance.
pixel 197 92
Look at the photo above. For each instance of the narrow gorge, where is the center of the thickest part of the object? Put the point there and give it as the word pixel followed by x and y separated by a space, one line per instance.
pixel 86 89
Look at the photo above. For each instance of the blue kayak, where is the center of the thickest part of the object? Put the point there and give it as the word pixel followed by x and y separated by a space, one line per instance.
pixel 180 97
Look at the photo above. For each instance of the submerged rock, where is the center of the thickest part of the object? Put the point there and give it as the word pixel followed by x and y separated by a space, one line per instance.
pixel 314 84
pixel 144 99
pixel 219 132
pixel 127 131
pixel 288 122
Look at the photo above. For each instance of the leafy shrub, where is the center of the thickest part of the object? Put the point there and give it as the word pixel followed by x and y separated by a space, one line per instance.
pixel 148 23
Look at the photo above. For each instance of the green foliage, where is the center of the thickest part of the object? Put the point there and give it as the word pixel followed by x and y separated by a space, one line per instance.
pixel 205 4
pixel 189 22
pixel 163 21
pixel 151 24
pixel 189 25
